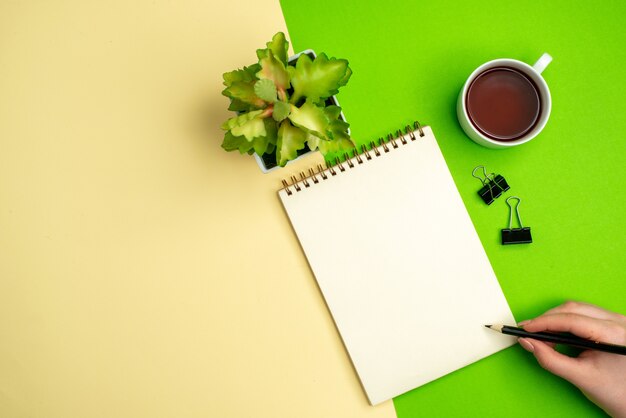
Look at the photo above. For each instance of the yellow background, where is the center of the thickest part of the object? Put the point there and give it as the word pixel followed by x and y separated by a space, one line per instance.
pixel 145 272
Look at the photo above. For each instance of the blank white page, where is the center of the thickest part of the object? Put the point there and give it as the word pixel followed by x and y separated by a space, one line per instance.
pixel 400 266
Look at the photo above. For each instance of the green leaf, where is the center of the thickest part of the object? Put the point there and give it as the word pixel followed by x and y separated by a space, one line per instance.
pixel 237 105
pixel 266 144
pixel 281 111
pixel 240 119
pixel 326 131
pixel 232 143
pixel 273 69
pixel 313 141
pixel 252 129
pixel 319 79
pixel 246 74
pixel 271 131
pixel 259 144
pixel 279 47
pixel 240 89
pixel 337 140
pixel 333 112
pixel 310 118
pixel 290 140
pixel 248 124
pixel 266 90
pixel 346 77
pixel 243 92
pixel 338 130
pixel 337 146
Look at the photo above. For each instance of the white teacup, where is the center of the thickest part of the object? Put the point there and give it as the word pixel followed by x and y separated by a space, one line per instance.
pixel 481 136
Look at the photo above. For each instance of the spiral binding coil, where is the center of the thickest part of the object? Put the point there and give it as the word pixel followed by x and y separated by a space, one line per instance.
pixel 314 177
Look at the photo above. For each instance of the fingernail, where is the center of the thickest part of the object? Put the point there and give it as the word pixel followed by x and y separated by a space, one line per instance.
pixel 526 322
pixel 526 345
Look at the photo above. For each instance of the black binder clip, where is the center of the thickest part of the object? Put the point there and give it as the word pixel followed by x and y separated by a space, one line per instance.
pixel 512 235
pixel 493 185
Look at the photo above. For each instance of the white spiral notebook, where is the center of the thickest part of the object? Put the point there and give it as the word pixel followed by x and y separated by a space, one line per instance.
pixel 398 262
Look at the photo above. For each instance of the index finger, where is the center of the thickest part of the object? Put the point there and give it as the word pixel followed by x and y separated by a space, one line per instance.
pixel 586 309
pixel 580 325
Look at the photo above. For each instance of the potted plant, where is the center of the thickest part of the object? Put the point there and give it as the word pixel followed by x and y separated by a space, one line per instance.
pixel 286 107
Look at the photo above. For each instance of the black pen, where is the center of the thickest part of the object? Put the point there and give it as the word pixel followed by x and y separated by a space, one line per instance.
pixel 565 339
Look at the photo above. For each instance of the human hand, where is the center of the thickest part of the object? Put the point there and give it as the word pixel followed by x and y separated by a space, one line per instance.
pixel 600 376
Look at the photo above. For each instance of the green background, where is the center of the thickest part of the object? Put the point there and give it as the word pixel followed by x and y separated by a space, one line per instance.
pixel 410 59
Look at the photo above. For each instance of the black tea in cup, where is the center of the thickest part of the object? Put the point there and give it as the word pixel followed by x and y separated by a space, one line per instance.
pixel 503 103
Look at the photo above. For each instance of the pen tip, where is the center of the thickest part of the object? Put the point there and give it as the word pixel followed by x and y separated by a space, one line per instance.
pixel 487 326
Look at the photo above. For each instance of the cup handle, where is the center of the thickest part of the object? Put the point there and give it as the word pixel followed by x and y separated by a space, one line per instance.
pixel 542 62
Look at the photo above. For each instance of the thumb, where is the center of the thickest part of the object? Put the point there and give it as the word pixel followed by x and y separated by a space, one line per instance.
pixel 569 368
